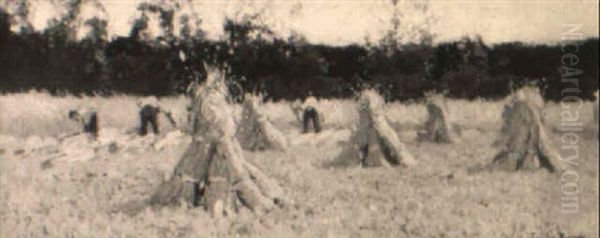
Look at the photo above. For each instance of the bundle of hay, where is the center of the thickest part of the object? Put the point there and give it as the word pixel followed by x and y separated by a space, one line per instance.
pixel 256 132
pixel 374 142
pixel 213 172
pixel 439 128
pixel 525 145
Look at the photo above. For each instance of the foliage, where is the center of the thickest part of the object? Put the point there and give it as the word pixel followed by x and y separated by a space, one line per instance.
pixel 257 60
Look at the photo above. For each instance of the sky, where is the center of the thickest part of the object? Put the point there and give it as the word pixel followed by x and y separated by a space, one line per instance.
pixel 340 22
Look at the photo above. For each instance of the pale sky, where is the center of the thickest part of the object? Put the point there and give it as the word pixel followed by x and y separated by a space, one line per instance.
pixel 339 22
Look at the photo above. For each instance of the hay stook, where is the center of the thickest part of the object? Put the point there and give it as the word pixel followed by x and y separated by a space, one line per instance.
pixel 439 127
pixel 256 132
pixel 525 145
pixel 374 142
pixel 212 172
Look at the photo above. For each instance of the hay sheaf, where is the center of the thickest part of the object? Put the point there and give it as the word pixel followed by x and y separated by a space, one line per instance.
pixel 525 145
pixel 374 142
pixel 256 132
pixel 439 127
pixel 212 172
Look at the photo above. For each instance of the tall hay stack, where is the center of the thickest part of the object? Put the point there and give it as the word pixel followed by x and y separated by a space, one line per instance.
pixel 374 143
pixel 256 132
pixel 438 127
pixel 212 171
pixel 525 145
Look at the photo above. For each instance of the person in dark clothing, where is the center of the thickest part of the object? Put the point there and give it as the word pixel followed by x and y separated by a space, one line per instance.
pixel 306 113
pixel 149 116
pixel 310 116
pixel 149 112
pixel 88 121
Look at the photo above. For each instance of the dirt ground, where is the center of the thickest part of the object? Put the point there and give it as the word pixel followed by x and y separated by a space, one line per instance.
pixel 445 195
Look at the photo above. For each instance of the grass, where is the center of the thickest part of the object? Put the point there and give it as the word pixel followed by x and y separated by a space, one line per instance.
pixel 437 198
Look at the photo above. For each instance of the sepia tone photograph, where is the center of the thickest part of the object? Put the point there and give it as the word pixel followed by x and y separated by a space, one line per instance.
pixel 299 118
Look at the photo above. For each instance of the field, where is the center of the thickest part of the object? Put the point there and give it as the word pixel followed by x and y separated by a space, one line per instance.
pixel 75 188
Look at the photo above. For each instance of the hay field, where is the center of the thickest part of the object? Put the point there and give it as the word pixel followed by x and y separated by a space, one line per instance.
pixel 46 190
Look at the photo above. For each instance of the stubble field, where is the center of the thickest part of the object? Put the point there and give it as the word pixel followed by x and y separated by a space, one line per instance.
pixel 51 187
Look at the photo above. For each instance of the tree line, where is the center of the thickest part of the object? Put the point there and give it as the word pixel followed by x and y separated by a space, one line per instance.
pixel 259 61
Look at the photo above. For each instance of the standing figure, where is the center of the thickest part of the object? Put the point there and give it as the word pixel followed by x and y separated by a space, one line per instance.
pixel 87 120
pixel 149 112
